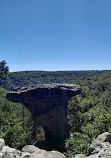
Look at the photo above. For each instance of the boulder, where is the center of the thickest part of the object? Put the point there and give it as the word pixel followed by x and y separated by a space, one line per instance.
pixel 7 152
pixel 38 153
pixel 28 151
pixel 100 147
pixel 100 143
pixel 80 156
pixel 2 143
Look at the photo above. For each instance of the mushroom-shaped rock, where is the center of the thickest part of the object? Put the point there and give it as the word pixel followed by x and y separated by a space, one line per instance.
pixel 48 106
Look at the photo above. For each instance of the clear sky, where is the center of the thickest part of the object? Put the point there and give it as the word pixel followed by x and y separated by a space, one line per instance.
pixel 55 34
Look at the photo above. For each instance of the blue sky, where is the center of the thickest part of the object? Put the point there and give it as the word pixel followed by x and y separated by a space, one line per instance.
pixel 55 34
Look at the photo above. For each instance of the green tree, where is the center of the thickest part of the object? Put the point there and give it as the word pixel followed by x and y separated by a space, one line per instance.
pixel 3 69
pixel 77 144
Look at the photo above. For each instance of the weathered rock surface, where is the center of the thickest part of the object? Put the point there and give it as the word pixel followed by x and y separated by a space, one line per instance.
pixel 100 147
pixel 48 106
pixel 28 151
pixel 80 156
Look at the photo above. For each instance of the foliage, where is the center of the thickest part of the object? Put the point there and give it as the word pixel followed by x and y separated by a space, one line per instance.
pixel 27 78
pixel 16 125
pixel 3 70
pixel 90 112
pixel 78 143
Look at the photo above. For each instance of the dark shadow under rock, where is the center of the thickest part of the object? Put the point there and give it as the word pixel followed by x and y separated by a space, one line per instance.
pixel 50 145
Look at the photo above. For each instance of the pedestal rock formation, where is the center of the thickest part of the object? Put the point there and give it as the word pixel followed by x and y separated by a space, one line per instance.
pixel 48 106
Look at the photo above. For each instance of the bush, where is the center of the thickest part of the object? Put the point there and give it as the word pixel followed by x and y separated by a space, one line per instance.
pixel 77 144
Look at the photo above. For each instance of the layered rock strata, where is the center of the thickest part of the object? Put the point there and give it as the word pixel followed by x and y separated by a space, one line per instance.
pixel 48 106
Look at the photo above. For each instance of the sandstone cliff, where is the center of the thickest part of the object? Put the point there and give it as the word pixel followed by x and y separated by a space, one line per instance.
pixel 48 106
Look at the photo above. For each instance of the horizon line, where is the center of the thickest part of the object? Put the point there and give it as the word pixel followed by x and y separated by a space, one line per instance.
pixel 60 70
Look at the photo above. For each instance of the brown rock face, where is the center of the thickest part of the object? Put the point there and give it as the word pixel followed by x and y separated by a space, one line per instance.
pixel 48 106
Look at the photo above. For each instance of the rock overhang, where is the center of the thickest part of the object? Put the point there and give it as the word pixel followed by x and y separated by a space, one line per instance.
pixel 44 91
pixel 48 105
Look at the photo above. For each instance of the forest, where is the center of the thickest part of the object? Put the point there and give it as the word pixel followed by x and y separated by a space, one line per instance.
pixel 89 112
pixel 26 78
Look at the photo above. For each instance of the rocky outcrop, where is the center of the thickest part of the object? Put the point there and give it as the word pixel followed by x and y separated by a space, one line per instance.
pixel 28 151
pixel 48 106
pixel 100 147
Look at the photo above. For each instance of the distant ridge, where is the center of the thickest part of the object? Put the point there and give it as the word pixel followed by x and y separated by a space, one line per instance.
pixel 32 78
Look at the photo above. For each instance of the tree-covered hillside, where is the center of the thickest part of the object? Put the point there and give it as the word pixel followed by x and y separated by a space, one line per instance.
pixel 89 112
pixel 16 123
pixel 27 78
